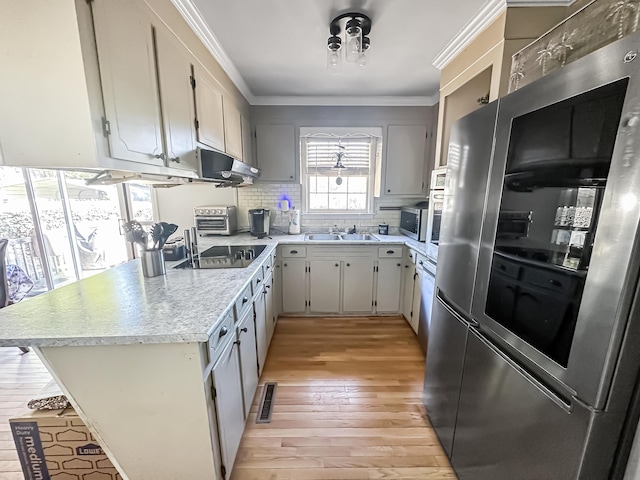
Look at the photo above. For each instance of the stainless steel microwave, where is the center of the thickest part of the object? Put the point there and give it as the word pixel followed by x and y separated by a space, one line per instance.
pixel 413 222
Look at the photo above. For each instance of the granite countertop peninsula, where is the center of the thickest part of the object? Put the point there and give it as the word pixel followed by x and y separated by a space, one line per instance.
pixel 119 306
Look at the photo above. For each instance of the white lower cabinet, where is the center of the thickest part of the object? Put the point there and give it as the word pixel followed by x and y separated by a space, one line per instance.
pixel 389 285
pixel 228 397
pixel 260 318
pixel 358 286
pixel 270 308
pixel 324 286
pixel 415 304
pixel 407 297
pixel 294 286
pixel 246 338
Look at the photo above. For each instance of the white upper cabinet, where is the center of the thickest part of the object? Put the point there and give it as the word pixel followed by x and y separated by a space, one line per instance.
pixel 208 110
pixel 232 129
pixel 275 153
pixel 247 141
pixel 174 69
pixel 124 37
pixel 405 164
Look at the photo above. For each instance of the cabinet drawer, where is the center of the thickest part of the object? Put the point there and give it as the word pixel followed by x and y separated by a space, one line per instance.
pixel 412 255
pixel 505 267
pixel 244 302
pixel 257 282
pixel 267 268
pixel 548 280
pixel 390 252
pixel 220 336
pixel 294 251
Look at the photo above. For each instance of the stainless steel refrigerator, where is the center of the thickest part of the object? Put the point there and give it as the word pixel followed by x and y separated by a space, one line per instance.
pixel 533 356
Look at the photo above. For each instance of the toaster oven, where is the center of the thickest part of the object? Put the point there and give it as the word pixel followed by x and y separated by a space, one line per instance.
pixel 216 220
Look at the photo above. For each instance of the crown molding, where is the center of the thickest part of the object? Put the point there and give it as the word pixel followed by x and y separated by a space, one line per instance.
pixel 350 101
pixel 487 14
pixel 194 18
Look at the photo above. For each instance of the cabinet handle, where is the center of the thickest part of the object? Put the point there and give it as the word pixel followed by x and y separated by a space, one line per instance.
pixel 399 265
pixel 223 332
pixel 285 264
pixel 245 300
pixel 406 266
pixel 337 264
pixel 175 159
pixel 410 255
pixel 294 252
pixel 277 266
pixel 237 342
pixel 348 264
pixel 389 252
pixel 268 267
pixel 421 262
pixel 268 286
pixel 291 176
pixel 388 191
pixel 161 156
pixel 245 330
pixel 555 283
pixel 258 281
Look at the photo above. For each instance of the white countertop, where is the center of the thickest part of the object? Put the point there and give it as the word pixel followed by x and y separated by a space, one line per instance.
pixel 120 306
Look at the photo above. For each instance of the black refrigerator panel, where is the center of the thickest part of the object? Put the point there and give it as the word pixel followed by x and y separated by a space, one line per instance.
pixel 469 160
pixel 511 426
pixel 443 374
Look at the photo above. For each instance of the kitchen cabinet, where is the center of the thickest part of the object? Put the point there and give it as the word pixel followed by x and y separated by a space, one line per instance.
pixel 174 72
pixel 358 286
pixel 260 319
pixel 389 281
pixel 405 167
pixel 417 294
pixel 232 129
pixel 276 153
pixel 208 99
pixel 247 141
pixel 407 296
pixel 324 286
pixel 227 385
pixel 270 308
pixel 247 350
pixel 277 288
pixel 294 286
pixel 125 43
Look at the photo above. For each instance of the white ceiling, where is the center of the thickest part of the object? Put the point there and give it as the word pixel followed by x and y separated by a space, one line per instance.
pixel 275 50
pixel 279 46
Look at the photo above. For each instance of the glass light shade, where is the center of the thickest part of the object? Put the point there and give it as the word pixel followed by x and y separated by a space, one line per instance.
pixel 334 62
pixel 353 40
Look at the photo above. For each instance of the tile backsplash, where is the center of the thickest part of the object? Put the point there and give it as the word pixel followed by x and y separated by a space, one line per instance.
pixel 269 195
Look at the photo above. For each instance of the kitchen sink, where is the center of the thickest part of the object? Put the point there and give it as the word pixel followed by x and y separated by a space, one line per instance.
pixel 323 236
pixel 342 236
pixel 359 236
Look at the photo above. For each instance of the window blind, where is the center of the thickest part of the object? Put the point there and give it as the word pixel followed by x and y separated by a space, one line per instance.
pixel 321 156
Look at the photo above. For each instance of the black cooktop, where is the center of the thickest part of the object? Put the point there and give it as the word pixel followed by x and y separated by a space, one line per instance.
pixel 225 256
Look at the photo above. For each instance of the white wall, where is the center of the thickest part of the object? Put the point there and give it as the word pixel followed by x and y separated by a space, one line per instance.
pixel 175 205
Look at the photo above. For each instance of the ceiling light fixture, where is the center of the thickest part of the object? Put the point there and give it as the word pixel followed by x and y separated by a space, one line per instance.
pixel 356 42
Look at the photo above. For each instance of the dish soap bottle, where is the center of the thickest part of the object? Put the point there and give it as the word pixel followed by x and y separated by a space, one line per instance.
pixel 294 221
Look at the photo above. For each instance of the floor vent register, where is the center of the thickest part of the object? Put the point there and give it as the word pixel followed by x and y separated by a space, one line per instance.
pixel 266 405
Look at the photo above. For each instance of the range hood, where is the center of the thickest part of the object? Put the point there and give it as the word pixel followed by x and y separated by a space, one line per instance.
pixel 217 166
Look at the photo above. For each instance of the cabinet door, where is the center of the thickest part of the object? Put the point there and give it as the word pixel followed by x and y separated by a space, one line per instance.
pixel 174 69
pixel 275 153
pixel 124 38
pixel 407 298
pixel 277 289
pixel 246 333
pixel 324 286
pixel 209 114
pixel 293 286
pixel 358 286
pixel 405 165
pixel 389 281
pixel 270 309
pixel 247 141
pixel 232 129
pixel 260 317
pixel 415 305
pixel 228 397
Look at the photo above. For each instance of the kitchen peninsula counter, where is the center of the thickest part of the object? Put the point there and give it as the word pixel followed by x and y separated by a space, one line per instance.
pixel 121 307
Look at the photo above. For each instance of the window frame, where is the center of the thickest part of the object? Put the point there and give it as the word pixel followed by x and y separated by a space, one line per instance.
pixel 335 134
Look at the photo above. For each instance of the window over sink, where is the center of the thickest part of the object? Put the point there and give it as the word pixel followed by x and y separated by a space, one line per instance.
pixel 338 169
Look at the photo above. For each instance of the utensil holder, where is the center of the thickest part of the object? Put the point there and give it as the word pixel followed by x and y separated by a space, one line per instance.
pixel 152 263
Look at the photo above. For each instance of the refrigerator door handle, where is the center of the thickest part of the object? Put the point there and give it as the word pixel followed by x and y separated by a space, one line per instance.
pixel 548 392
pixel 445 303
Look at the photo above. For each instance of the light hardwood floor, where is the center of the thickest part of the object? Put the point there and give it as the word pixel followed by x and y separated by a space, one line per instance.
pixel 22 377
pixel 348 405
